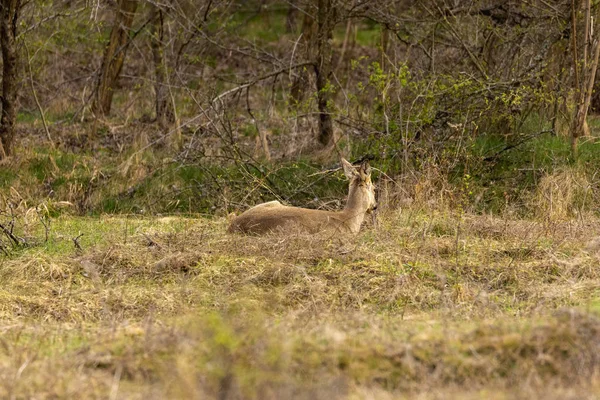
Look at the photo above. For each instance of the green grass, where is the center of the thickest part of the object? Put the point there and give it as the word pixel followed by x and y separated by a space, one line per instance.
pixel 103 182
pixel 263 27
pixel 367 34
pixel 175 307
pixel 28 117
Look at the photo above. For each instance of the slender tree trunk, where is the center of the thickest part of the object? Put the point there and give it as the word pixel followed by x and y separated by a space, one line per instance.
pixel 559 89
pixel 384 43
pixel 8 33
pixel 585 85
pixel 586 35
pixel 581 128
pixel 164 106
pixel 301 82
pixel 323 69
pixel 290 19
pixel 114 56
pixel 587 48
pixel 574 127
pixel 340 60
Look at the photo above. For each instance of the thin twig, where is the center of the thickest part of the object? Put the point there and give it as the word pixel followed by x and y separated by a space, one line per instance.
pixel 35 97
pixel 76 242
pixel 45 220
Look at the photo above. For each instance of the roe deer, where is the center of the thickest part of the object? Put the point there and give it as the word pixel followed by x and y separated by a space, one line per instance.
pixel 269 216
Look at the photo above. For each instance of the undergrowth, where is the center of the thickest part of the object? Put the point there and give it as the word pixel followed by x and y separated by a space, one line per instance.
pixel 536 179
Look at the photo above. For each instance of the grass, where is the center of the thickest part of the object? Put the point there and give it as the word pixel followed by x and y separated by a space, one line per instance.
pixel 437 302
pixel 434 304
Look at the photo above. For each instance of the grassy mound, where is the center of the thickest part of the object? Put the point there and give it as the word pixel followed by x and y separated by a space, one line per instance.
pixel 431 304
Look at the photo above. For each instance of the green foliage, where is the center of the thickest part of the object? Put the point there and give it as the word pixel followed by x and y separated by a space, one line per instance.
pixel 265 27
pixel 96 185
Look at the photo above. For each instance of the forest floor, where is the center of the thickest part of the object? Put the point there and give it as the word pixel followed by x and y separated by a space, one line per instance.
pixel 426 304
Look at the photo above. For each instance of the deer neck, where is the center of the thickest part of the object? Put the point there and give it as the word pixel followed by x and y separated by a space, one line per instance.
pixel 355 209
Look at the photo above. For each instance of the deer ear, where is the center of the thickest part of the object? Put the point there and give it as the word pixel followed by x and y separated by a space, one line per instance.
pixel 349 170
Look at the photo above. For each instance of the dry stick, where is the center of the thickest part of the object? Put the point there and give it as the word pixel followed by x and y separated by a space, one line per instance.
pixel 35 97
pixel 8 232
pixel 292 56
pixel 45 222
pixel 76 242
pixel 177 128
pixel 4 249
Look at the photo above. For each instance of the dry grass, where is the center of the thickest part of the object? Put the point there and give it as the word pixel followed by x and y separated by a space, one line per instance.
pixel 428 305
pixel 562 194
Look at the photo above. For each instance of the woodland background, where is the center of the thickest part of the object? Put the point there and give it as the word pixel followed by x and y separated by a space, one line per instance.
pixel 132 129
pixel 227 103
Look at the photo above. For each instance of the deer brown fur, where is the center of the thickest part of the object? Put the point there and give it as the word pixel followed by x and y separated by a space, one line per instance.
pixel 273 215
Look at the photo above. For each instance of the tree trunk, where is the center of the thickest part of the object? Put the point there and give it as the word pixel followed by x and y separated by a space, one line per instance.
pixel 290 19
pixel 114 56
pixel 323 69
pixel 301 81
pixel 164 106
pixel 344 44
pixel 8 33
pixel 385 42
pixel 588 78
pixel 580 123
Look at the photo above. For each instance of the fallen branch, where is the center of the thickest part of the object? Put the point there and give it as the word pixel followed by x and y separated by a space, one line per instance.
pixel 76 242
pixel 8 232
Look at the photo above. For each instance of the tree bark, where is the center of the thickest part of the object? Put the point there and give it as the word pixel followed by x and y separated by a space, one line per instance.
pixel 8 33
pixel 323 69
pixel 384 43
pixel 114 56
pixel 588 78
pixel 301 81
pixel 164 106
pixel 580 124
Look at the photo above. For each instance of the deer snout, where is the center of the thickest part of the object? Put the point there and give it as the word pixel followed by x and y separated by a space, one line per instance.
pixel 372 208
